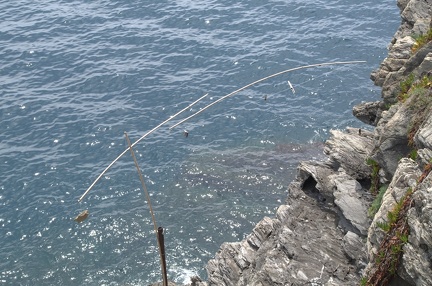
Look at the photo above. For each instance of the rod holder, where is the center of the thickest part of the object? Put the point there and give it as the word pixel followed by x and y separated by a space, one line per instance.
pixel 161 241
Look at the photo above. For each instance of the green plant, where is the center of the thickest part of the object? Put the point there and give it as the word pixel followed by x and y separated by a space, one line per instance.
pixel 375 168
pixel 391 248
pixel 387 106
pixel 413 154
pixel 405 87
pixel 396 236
pixel 363 281
pixel 383 225
pixel 402 237
pixel 421 105
pixel 376 204
pixel 421 40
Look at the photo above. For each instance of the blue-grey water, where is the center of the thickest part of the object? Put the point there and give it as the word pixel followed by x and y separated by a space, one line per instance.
pixel 75 75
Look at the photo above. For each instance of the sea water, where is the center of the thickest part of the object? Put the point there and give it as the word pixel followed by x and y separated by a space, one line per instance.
pixel 75 75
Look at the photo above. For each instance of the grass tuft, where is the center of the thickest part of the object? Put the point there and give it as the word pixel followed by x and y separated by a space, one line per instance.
pixel 375 180
pixel 421 91
pixel 376 204
pixel 421 41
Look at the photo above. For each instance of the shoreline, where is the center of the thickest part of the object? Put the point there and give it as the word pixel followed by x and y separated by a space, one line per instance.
pixel 326 232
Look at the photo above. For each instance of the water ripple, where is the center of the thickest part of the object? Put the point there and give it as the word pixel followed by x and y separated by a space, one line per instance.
pixel 75 75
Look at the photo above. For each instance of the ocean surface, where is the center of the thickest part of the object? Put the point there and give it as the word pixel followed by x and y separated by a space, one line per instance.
pixel 75 75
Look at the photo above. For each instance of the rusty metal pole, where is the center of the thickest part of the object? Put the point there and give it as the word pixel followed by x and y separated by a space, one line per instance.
pixel 158 231
pixel 162 253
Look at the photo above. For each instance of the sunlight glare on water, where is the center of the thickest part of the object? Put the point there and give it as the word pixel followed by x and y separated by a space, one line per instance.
pixel 76 75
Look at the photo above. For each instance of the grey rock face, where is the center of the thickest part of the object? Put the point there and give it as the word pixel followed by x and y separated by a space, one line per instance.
pixel 416 18
pixel 423 137
pixel 348 199
pixel 399 54
pixel 392 137
pixel 301 244
pixel 417 258
pixel 405 177
pixel 418 13
pixel 368 112
pixel 354 248
pixel 350 150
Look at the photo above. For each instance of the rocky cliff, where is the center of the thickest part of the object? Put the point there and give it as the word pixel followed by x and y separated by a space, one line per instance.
pixel 364 216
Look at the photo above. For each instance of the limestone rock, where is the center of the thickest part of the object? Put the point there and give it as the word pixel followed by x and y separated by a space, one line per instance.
pixel 300 245
pixel 402 4
pixel 314 178
pixel 416 19
pixel 260 233
pixel 425 68
pixel 417 258
pixel 368 112
pixel 416 60
pixel 392 137
pixel 405 177
pixel 423 138
pixel 350 150
pixel 355 249
pixel 398 54
pixel 418 14
pixel 348 199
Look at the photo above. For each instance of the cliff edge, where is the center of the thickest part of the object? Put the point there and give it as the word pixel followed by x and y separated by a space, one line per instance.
pixel 364 216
